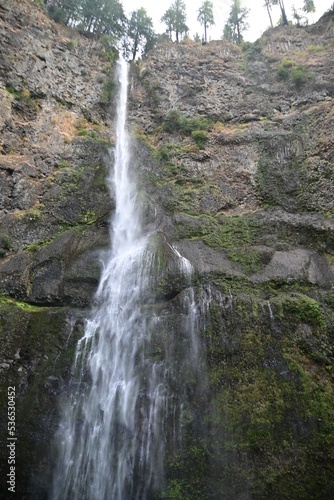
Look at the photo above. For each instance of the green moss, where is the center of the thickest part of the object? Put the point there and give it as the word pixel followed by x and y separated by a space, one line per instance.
pixel 232 233
pixel 252 261
pixel 23 306
pixel 304 309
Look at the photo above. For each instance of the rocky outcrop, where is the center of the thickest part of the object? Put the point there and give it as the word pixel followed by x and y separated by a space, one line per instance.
pixel 235 148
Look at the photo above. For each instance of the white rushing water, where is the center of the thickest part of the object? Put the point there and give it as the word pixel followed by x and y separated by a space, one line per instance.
pixel 121 413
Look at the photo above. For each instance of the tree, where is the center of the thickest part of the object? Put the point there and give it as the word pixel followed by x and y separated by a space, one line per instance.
pixel 268 6
pixel 169 19
pixel 309 6
pixel 205 15
pixel 281 5
pixel 140 32
pixel 175 18
pixel 236 23
pixel 100 17
pixel 197 38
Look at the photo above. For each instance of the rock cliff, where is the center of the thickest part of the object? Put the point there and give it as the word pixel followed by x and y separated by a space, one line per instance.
pixel 233 155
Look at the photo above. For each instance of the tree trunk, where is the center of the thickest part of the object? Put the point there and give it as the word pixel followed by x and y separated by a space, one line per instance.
pixel 205 31
pixel 268 9
pixel 284 18
pixel 239 34
pixel 135 47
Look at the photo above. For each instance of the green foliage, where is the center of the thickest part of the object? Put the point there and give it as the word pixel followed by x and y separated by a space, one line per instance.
pixel 316 48
pixel 2 253
pixel 200 137
pixel 108 91
pixel 304 309
pixel 57 14
pixel 205 16
pixel 252 261
pixel 176 122
pixel 64 164
pixel 101 17
pixel 32 247
pixel 172 121
pixel 236 23
pixel 40 3
pixel 309 6
pixel 299 75
pixel 11 90
pixel 72 44
pixel 111 52
pixel 175 19
pixel 288 70
pixel 7 242
pixel 234 232
pixel 284 69
pixel 140 32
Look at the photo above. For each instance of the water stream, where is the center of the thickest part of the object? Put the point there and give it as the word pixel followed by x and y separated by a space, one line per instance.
pixel 125 404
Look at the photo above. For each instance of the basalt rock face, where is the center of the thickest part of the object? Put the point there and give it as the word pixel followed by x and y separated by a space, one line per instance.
pixel 239 178
pixel 235 149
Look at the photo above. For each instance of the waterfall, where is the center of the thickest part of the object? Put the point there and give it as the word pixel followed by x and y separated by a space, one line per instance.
pixel 123 410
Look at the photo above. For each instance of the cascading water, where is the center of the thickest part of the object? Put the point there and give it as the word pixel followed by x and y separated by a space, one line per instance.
pixel 126 402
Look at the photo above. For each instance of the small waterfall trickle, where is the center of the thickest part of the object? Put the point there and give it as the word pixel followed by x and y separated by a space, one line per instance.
pixel 125 403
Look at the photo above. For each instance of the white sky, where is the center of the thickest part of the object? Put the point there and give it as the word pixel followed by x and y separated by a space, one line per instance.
pixel 258 19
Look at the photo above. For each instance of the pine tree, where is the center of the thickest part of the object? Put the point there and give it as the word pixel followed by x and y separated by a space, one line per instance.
pixel 205 15
pixel 140 32
pixel 236 23
pixel 175 19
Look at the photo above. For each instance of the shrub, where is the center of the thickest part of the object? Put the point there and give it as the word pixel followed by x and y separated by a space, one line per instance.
pixel 187 126
pixel 7 242
pixel 108 91
pixel 172 121
pixel 284 69
pixel 200 137
pixel 72 44
pixel 299 75
pixel 57 14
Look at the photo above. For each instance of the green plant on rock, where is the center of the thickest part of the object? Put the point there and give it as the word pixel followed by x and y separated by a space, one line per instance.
pixel 72 44
pixel 176 122
pixel 64 164
pixel 7 242
pixel 284 69
pixel 32 247
pixel 172 121
pixel 108 91
pixel 304 309
pixel 200 137
pixel 299 75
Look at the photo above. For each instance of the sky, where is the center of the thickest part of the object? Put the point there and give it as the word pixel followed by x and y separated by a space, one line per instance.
pixel 258 19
